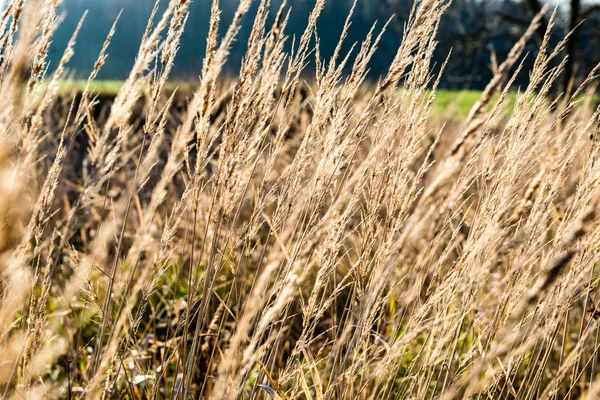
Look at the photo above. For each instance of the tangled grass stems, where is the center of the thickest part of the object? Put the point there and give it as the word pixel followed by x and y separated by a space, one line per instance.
pixel 277 239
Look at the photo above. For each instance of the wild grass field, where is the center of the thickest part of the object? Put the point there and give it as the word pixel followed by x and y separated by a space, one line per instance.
pixel 265 238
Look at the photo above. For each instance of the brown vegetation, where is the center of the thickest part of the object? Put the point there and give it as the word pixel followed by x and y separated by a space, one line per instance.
pixel 275 240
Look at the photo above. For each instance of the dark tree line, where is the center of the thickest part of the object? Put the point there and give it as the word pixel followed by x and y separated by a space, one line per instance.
pixel 579 16
pixel 474 30
pixel 477 29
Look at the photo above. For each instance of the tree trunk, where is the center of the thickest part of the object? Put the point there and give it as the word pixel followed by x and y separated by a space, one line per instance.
pixel 536 6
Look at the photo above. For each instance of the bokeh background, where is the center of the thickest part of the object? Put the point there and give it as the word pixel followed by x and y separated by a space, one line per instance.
pixel 476 31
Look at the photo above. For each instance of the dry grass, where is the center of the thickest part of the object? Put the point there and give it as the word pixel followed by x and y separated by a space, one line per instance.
pixel 275 240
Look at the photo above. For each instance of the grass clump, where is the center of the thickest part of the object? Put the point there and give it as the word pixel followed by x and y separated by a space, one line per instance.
pixel 276 240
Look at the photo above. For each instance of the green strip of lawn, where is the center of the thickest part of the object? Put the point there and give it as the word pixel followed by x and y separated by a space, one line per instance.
pixel 449 105
pixel 108 87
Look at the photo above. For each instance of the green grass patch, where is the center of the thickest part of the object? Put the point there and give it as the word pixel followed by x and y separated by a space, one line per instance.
pixel 449 105
pixel 111 87
pixel 98 87
pixel 456 105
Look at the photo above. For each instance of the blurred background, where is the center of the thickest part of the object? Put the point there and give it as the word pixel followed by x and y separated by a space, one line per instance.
pixel 477 32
